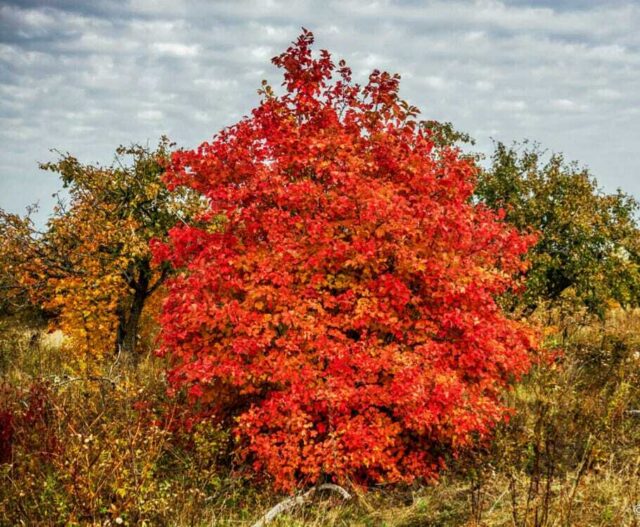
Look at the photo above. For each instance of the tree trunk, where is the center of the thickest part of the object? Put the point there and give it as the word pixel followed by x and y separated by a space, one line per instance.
pixel 127 335
pixel 130 337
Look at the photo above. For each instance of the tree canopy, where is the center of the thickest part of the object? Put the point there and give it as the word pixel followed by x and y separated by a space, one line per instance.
pixel 91 268
pixel 588 245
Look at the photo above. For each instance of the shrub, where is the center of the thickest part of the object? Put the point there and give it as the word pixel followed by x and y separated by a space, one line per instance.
pixel 93 450
pixel 337 300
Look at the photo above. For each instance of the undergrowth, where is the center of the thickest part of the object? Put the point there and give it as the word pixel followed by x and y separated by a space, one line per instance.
pixel 110 447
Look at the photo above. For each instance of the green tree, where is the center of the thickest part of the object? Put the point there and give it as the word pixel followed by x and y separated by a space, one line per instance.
pixel 588 245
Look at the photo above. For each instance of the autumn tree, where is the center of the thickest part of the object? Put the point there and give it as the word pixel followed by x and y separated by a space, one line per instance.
pixel 16 302
pixel 589 245
pixel 340 304
pixel 91 267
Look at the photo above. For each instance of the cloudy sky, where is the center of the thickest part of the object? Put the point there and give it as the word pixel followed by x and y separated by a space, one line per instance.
pixel 84 77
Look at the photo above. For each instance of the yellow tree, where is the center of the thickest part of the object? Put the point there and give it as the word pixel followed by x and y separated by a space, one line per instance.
pixel 91 269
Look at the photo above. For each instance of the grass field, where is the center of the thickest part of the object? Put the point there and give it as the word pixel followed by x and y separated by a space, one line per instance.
pixel 102 447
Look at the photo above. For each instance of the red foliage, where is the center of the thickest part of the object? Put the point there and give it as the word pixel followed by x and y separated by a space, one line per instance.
pixel 343 307
pixel 26 420
pixel 6 435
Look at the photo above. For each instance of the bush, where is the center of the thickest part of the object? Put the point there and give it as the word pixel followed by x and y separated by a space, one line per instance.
pixel 336 304
pixel 108 447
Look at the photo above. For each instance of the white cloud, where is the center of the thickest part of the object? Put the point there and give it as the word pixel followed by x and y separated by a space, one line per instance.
pixel 435 82
pixel 89 76
pixel 153 115
pixel 510 106
pixel 566 105
pixel 175 49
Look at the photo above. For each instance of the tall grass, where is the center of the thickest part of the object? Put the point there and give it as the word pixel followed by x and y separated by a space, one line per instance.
pixel 111 448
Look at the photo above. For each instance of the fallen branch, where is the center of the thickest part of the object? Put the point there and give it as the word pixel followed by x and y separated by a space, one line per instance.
pixel 297 501
pixel 59 381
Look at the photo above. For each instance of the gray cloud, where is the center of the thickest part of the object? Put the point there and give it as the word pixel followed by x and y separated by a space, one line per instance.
pixel 86 76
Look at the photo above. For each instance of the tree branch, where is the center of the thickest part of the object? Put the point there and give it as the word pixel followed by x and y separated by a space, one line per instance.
pixel 297 501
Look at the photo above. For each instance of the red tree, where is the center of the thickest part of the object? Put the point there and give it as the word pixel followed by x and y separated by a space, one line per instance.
pixel 338 298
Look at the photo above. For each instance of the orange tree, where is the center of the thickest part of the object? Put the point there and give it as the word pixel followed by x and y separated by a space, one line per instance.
pixel 340 304
pixel 91 268
pixel 15 300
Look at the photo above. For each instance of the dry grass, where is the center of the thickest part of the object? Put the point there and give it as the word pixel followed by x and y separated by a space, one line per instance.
pixel 93 454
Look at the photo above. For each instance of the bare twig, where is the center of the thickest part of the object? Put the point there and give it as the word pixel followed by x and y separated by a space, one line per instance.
pixel 583 466
pixel 498 500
